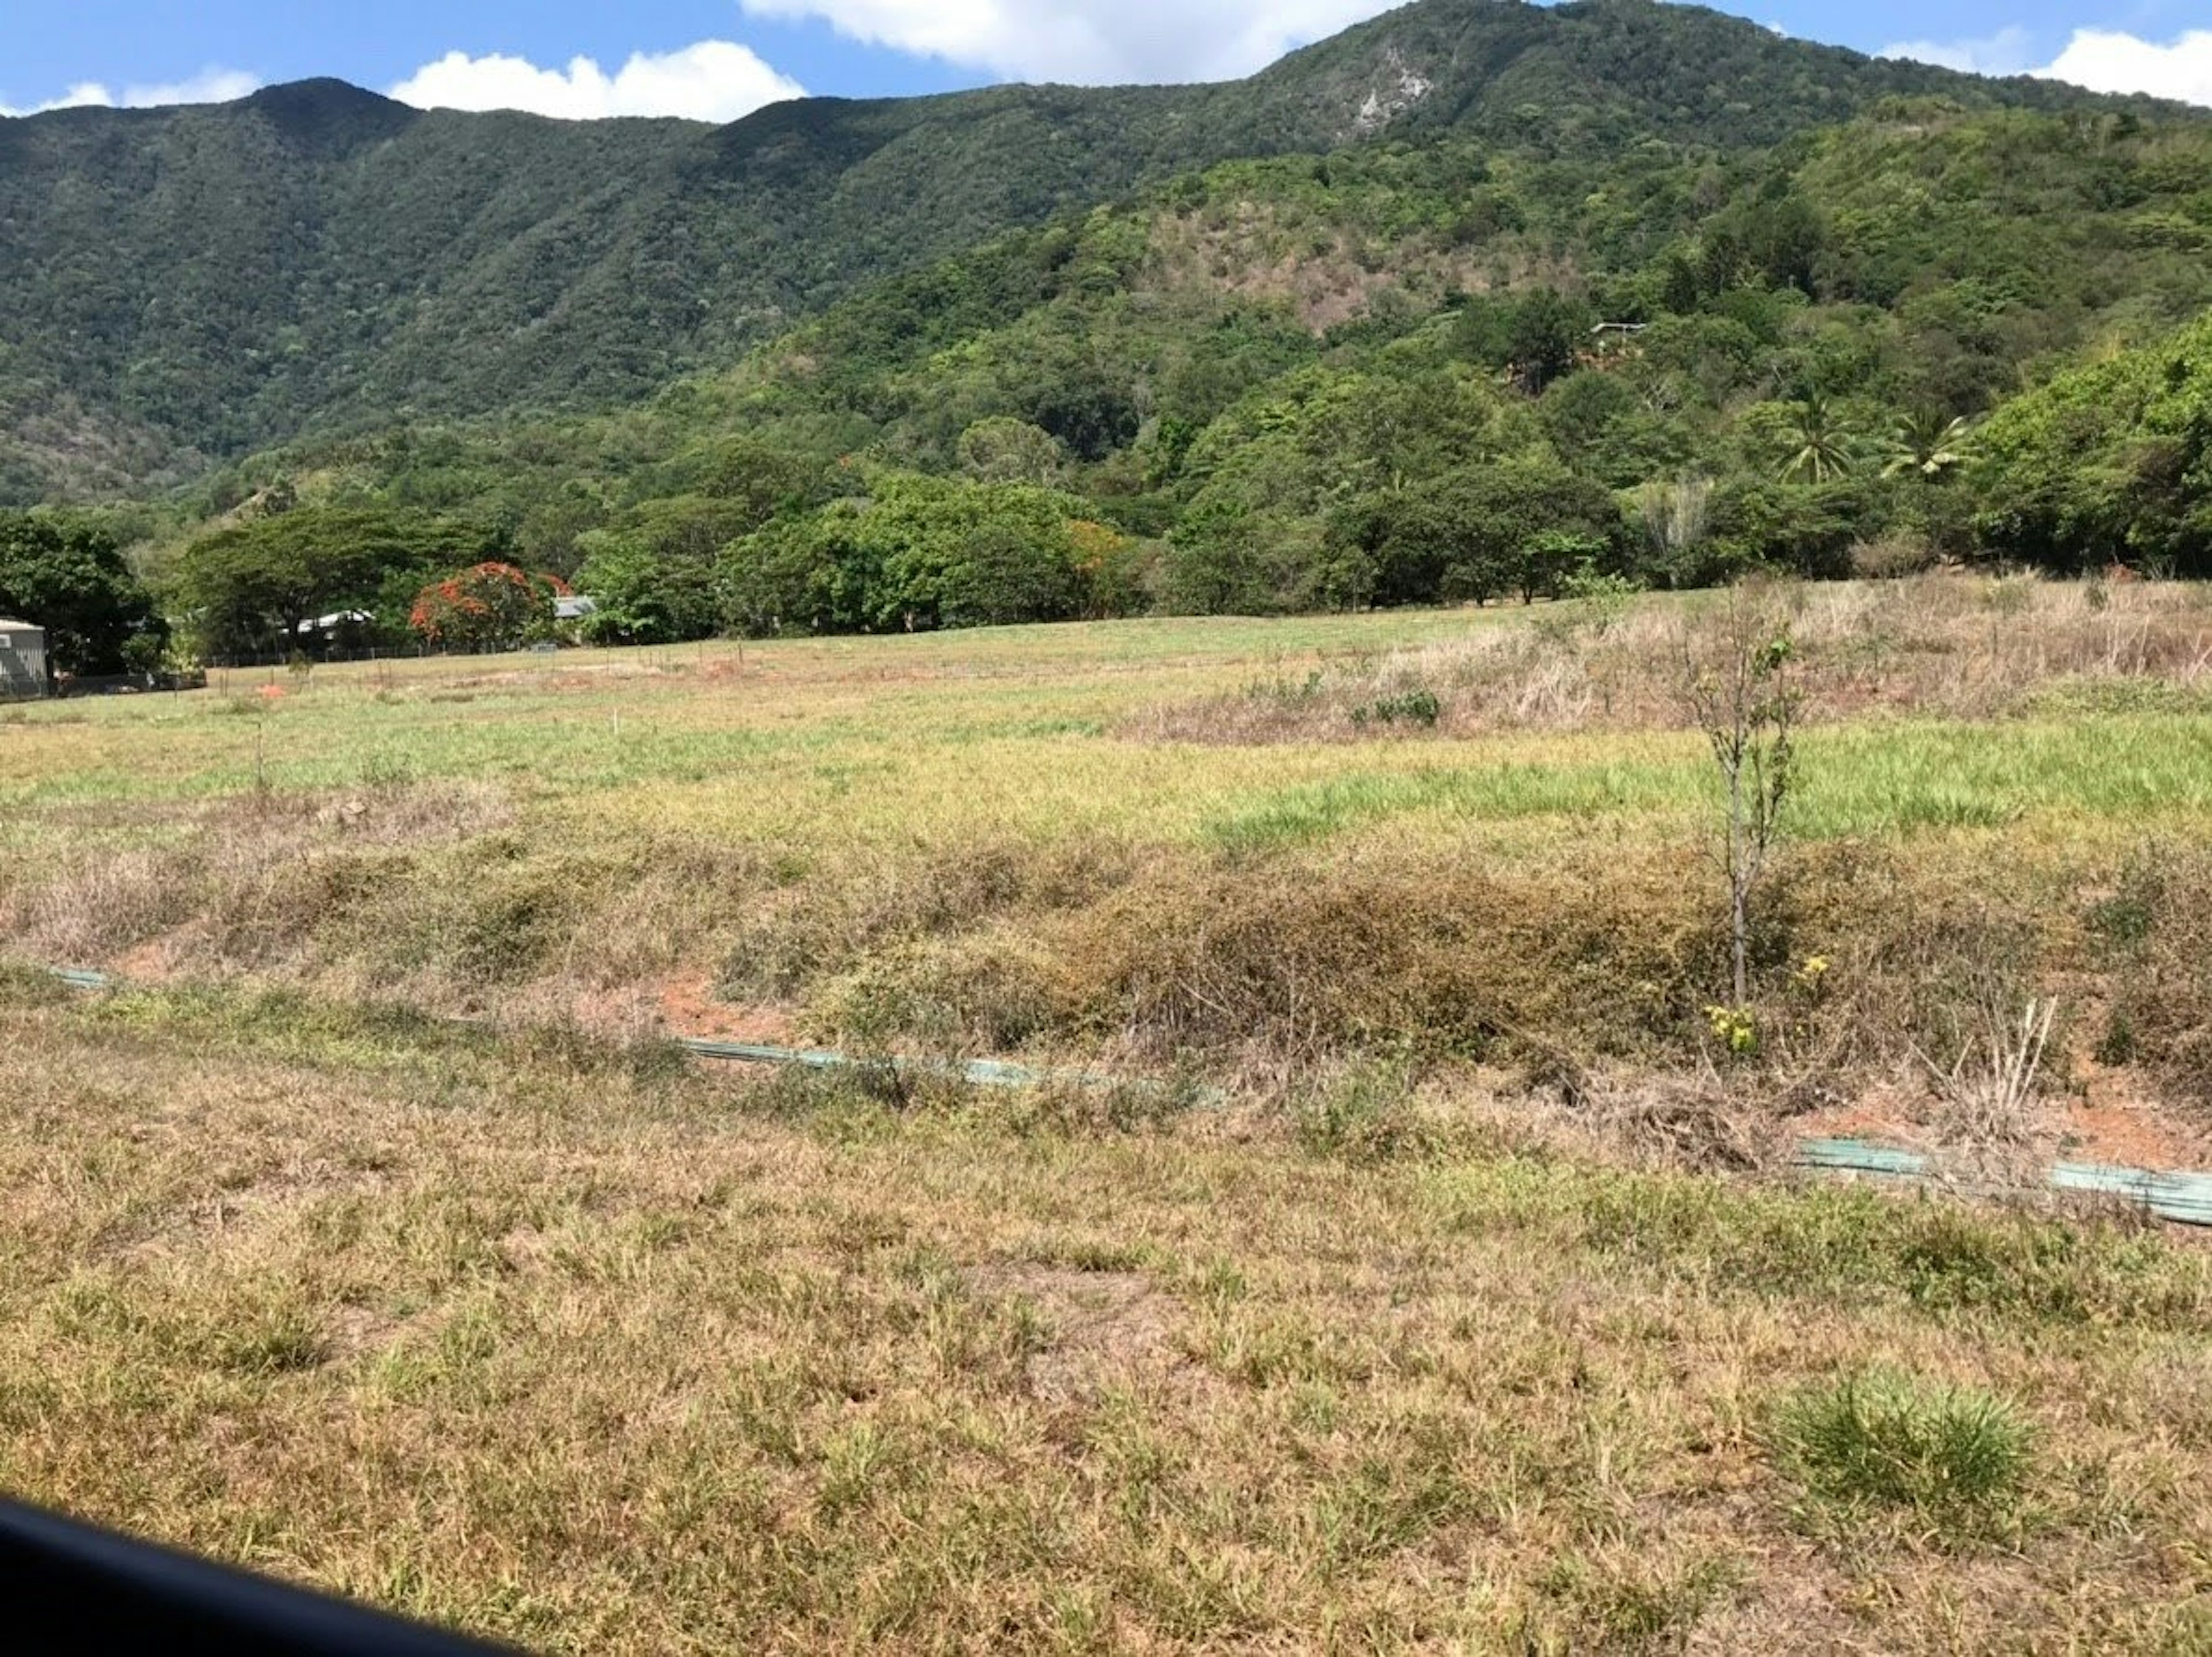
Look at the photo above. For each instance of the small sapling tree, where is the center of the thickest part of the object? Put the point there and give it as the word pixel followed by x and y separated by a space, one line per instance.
pixel 1737 682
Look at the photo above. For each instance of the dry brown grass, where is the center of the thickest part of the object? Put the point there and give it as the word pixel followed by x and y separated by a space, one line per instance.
pixel 1939 643
pixel 1425 1339
pixel 563 1345
pixel 979 846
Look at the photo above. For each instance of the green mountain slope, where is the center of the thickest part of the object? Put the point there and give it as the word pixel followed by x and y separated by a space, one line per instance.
pixel 1302 380
pixel 180 285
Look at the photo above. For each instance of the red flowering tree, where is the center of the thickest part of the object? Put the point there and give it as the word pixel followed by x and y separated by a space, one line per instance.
pixel 491 607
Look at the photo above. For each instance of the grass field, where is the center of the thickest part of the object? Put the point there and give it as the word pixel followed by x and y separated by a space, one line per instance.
pixel 1466 1313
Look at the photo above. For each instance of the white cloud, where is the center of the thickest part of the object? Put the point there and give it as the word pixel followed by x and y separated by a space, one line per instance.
pixel 2008 52
pixel 209 86
pixel 1091 42
pixel 712 81
pixel 2105 60
pixel 85 94
pixel 2102 60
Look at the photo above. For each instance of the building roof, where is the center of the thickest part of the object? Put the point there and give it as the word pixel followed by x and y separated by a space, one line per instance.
pixel 332 622
pixel 10 624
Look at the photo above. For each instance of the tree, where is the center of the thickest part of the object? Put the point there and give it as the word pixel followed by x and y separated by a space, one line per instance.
pixel 656 574
pixel 1005 573
pixel 759 481
pixel 70 579
pixel 811 574
pixel 250 589
pixel 1822 448
pixel 1481 531
pixel 2107 462
pixel 1928 446
pixel 971 555
pixel 492 606
pixel 547 534
pixel 1089 412
pixel 1114 570
pixel 1549 330
pixel 1547 562
pixel 1675 522
pixel 1003 451
pixel 1537 335
pixel 1219 563
pixel 1735 672
pixel 920 553
pixel 1806 529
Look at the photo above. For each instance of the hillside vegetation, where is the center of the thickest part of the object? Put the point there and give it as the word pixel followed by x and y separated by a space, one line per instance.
pixel 1399 374
pixel 1477 302
pixel 182 285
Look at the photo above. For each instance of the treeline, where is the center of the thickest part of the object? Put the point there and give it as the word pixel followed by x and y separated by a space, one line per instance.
pixel 1327 493
pixel 1325 490
pixel 1407 372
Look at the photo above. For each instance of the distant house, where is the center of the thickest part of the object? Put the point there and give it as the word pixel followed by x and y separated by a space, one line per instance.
pixel 22 661
pixel 574 607
pixel 344 629
pixel 337 622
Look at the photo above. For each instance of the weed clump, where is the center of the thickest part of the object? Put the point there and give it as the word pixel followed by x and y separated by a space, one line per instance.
pixel 1956 1458
pixel 29 986
pixel 1411 708
pixel 2152 937
pixel 1366 1115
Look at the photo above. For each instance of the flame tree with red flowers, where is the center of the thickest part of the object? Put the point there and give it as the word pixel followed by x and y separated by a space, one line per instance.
pixel 492 606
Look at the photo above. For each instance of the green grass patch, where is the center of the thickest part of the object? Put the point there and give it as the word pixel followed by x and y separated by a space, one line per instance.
pixel 1825 1242
pixel 1956 1458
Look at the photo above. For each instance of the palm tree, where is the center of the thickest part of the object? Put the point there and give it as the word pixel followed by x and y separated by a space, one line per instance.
pixel 1928 445
pixel 1825 449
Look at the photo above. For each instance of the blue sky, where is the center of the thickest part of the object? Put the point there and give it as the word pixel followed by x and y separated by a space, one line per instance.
pixel 717 58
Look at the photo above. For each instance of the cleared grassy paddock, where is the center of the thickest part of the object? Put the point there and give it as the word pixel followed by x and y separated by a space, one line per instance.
pixel 1434 1339
pixel 553 1340
pixel 1178 842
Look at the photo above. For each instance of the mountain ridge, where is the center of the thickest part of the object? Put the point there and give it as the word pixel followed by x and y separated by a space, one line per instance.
pixel 192 282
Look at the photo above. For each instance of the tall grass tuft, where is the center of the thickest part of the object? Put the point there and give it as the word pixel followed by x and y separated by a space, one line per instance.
pixel 1956 1458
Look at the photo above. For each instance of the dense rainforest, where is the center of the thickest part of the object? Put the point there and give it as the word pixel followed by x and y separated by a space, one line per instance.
pixel 1477 300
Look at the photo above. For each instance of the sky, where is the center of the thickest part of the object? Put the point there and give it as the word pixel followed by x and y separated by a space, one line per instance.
pixel 720 59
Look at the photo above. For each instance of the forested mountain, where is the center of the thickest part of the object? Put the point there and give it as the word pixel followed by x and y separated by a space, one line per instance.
pixel 1400 373
pixel 178 286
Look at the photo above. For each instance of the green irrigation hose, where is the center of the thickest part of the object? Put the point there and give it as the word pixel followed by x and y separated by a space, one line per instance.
pixel 2185 1198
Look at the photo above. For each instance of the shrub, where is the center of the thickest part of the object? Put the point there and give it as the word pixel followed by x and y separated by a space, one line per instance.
pixel 1363 1114
pixel 1892 557
pixel 2153 937
pixel 1419 708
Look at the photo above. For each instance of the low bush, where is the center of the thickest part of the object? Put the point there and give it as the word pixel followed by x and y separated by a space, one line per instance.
pixel 1413 708
pixel 2153 935
pixel 1892 557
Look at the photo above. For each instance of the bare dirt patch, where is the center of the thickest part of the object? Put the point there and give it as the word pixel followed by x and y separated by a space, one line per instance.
pixel 2104 1122
pixel 688 1006
pixel 353 1332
